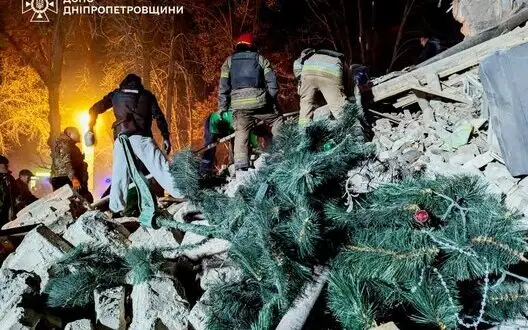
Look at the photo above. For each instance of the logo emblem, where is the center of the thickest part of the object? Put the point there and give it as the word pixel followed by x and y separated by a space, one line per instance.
pixel 39 9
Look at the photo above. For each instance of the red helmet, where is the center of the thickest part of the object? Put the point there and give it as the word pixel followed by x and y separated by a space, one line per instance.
pixel 246 39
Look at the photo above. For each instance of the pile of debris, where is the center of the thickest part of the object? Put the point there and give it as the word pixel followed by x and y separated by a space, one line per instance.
pixel 171 300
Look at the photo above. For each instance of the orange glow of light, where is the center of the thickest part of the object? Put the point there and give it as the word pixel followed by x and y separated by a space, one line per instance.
pixel 84 120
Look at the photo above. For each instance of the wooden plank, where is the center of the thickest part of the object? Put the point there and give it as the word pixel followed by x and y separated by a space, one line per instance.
pixel 450 65
pixel 444 95
pixel 406 101
pixel 433 81
pixel 386 115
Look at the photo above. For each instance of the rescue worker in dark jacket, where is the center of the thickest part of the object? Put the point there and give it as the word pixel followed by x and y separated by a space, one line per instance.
pixel 8 191
pixel 431 48
pixel 319 71
pixel 249 86
pixel 24 197
pixel 134 108
pixel 67 164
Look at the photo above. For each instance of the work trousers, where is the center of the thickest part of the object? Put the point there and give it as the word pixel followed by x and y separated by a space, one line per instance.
pixel 245 120
pixel 333 92
pixel 146 150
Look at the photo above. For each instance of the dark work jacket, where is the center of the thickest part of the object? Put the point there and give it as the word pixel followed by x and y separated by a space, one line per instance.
pixel 432 48
pixel 24 197
pixel 132 100
pixel 246 71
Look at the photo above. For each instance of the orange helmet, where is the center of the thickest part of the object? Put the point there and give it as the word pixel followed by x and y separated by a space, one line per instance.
pixel 246 39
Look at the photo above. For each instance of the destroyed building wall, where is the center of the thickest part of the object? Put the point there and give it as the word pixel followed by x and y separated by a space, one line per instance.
pixel 479 15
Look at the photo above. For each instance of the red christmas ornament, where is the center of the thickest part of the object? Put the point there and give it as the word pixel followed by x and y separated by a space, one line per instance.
pixel 421 216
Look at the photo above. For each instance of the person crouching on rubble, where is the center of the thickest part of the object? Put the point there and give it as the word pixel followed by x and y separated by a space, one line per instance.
pixel 134 108
pixel 67 164
pixel 319 71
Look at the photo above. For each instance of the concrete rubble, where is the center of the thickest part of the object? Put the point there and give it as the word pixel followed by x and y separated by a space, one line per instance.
pixel 455 143
pixel 158 304
pixel 16 289
pixel 94 228
pixel 110 308
pixel 447 138
pixel 83 324
pixel 40 249
pixel 56 210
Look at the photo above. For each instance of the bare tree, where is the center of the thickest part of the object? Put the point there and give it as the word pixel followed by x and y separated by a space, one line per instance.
pixel 43 49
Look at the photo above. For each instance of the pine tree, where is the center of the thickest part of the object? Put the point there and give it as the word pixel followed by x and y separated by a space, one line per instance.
pixel 275 222
pixel 431 252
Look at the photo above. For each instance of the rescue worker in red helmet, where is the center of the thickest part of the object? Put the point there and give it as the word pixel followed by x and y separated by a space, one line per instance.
pixel 249 86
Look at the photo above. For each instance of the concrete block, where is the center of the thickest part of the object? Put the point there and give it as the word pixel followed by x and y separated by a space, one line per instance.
pixel 56 211
pixel 207 247
pixel 166 239
pixel 110 308
pixel 480 161
pixel 499 174
pixel 83 324
pixel 16 289
pixel 198 316
pixel 39 250
pixel 213 276
pixel 386 326
pixel 94 228
pixel 157 304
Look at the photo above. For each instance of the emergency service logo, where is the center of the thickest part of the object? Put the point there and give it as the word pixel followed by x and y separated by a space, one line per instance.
pixel 40 9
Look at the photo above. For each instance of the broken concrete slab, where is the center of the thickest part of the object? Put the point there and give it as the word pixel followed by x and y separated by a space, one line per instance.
pixel 480 161
pixel 383 125
pixel 198 314
pixel 55 211
pixel 17 288
pixel 95 228
pixel 158 304
pixel 39 250
pixel 205 247
pixel 184 210
pixel 386 326
pixel 84 324
pixel 459 137
pixel 499 174
pixel 212 276
pixel 517 199
pixel 110 308
pixel 165 239
pixel 411 155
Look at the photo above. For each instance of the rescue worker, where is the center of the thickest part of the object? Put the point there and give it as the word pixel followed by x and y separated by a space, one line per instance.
pixel 248 85
pixel 319 71
pixel 218 126
pixel 25 196
pixel 431 48
pixel 67 164
pixel 8 190
pixel 134 109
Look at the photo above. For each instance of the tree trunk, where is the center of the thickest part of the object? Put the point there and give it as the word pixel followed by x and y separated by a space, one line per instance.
pixel 406 12
pixel 54 81
pixel 170 76
pixel 146 53
pixel 361 31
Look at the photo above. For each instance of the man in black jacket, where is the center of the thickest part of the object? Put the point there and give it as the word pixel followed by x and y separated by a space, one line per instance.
pixel 134 109
pixel 8 191
pixel 431 48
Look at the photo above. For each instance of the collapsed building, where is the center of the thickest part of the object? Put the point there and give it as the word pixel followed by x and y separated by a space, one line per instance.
pixel 441 118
